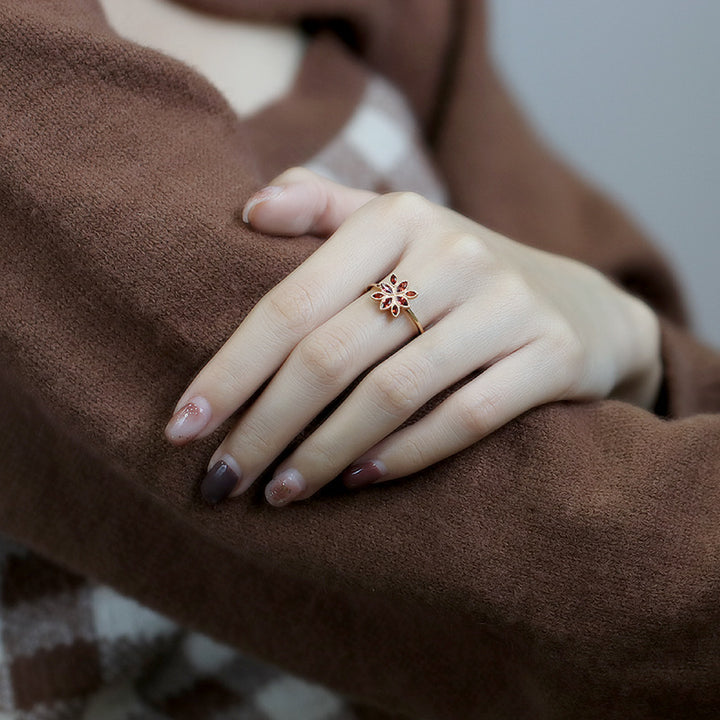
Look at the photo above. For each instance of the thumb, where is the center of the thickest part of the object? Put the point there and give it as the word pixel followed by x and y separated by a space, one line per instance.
pixel 300 202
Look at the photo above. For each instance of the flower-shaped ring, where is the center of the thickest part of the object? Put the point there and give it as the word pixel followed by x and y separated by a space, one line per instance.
pixel 394 296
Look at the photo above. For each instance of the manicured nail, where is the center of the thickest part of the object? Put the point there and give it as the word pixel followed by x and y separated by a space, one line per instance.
pixel 189 421
pixel 364 473
pixel 285 487
pixel 267 193
pixel 219 482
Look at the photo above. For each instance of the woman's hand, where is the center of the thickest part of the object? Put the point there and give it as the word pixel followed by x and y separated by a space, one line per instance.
pixel 541 327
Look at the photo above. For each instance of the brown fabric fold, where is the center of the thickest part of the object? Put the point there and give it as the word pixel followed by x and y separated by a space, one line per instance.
pixel 564 567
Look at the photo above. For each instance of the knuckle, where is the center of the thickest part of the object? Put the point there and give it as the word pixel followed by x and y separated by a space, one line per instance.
pixel 324 459
pixel 565 344
pixel 293 309
pixel 561 343
pixel 254 438
pixel 228 377
pixel 518 293
pixel 479 415
pixel 469 250
pixel 408 205
pixel 296 174
pixel 326 355
pixel 414 452
pixel 397 389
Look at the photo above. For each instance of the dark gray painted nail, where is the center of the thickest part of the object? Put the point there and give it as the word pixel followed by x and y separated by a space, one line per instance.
pixel 218 483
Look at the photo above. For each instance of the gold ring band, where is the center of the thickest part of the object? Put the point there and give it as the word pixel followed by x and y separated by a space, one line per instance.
pixel 394 297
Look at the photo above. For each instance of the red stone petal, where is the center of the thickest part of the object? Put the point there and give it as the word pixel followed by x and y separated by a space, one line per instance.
pixel 402 286
pixel 395 310
pixel 403 301
pixel 377 295
pixel 393 278
pixel 411 294
pixel 386 303
pixel 387 288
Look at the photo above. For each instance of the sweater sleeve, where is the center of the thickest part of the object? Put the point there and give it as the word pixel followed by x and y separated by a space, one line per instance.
pixel 567 566
pixel 502 175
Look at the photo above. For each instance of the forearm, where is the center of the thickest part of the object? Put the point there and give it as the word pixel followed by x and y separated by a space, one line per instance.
pixel 566 564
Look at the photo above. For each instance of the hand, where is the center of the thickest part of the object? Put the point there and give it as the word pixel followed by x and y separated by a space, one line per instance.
pixel 540 326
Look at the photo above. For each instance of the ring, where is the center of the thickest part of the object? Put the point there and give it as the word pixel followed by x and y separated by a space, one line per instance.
pixel 394 296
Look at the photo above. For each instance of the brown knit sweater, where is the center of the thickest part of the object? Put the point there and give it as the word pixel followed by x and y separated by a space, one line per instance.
pixel 567 566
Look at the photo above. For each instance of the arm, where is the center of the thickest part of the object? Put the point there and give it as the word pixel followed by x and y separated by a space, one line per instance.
pixel 500 174
pixel 518 326
pixel 570 557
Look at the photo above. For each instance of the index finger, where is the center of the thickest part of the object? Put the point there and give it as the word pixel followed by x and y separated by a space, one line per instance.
pixel 365 248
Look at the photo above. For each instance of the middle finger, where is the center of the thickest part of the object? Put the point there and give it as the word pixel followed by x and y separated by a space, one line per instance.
pixel 392 392
pixel 320 367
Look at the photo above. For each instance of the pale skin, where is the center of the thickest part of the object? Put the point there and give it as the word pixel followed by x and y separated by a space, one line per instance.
pixel 540 326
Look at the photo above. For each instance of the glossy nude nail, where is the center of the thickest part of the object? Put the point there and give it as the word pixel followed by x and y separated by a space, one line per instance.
pixel 364 473
pixel 285 487
pixel 267 193
pixel 189 421
pixel 219 482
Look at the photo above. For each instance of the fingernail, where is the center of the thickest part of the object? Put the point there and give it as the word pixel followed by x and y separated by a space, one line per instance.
pixel 219 482
pixel 285 487
pixel 188 421
pixel 364 473
pixel 267 193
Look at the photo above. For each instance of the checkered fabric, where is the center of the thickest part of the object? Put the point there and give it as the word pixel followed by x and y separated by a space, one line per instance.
pixel 71 648
pixel 380 148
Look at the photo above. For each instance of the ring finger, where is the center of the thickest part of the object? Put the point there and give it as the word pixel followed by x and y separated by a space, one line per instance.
pixel 320 367
pixel 449 351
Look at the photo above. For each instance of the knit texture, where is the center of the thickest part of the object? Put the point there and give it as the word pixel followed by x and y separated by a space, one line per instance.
pixel 564 567
pixel 70 647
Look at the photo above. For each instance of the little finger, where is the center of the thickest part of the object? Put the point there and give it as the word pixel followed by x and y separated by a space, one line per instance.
pixel 515 384
pixel 394 390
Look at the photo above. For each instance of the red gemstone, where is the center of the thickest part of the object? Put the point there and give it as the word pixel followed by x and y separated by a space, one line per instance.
pixel 385 303
pixel 395 310
pixel 393 278
pixel 411 294
pixel 387 288
pixel 403 301
pixel 402 286
pixel 377 296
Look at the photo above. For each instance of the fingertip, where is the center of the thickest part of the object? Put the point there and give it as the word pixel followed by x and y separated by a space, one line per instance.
pixel 286 486
pixel 188 421
pixel 219 482
pixel 262 196
pixel 363 473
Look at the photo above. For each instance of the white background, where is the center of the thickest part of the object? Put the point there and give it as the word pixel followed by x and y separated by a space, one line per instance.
pixel 629 92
